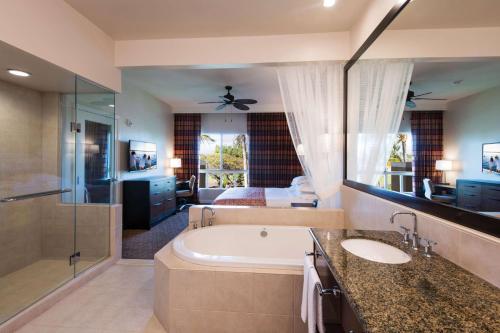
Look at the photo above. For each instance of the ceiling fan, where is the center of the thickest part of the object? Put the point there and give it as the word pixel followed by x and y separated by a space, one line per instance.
pixel 228 99
pixel 411 97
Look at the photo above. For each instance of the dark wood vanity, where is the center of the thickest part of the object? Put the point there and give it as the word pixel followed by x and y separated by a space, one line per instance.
pixel 338 316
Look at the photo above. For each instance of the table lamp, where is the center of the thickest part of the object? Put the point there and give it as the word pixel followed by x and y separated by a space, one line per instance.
pixel 444 165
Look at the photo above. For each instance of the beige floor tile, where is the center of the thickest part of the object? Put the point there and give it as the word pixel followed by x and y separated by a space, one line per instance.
pixel 23 287
pixel 119 300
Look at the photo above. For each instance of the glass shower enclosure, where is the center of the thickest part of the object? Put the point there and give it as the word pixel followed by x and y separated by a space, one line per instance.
pixel 57 134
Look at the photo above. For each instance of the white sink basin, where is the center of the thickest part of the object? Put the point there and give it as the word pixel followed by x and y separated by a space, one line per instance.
pixel 375 251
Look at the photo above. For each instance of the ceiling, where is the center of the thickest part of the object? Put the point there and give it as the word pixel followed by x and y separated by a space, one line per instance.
pixel 440 78
pixel 441 14
pixel 151 19
pixel 183 89
pixel 45 76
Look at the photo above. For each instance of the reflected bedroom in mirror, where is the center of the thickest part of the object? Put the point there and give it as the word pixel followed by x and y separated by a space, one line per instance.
pixel 423 114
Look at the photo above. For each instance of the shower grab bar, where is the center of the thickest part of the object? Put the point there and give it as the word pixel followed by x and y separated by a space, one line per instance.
pixel 35 195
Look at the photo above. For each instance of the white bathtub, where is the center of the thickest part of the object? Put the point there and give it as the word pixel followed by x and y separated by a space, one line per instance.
pixel 244 246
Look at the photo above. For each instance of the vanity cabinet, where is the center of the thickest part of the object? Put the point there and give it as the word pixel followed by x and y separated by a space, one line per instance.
pixel 338 316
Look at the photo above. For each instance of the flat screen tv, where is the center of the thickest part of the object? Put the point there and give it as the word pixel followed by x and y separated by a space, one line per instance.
pixel 491 158
pixel 141 156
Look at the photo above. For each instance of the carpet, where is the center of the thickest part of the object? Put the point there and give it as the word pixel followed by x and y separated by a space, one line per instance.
pixel 143 244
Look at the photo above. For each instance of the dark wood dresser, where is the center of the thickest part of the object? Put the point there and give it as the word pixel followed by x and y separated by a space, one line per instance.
pixel 479 195
pixel 148 201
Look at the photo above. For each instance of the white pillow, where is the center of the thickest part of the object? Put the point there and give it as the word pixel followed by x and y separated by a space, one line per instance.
pixel 305 188
pixel 299 180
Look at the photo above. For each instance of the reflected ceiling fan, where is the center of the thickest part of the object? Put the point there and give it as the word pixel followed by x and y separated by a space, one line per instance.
pixel 228 99
pixel 411 97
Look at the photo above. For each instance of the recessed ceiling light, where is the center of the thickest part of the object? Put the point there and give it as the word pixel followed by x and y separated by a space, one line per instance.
pixel 111 105
pixel 17 72
pixel 328 3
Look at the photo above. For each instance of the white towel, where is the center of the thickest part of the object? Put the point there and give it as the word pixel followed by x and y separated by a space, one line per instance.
pixel 314 304
pixel 308 264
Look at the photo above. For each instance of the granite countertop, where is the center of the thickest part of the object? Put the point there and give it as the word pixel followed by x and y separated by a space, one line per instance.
pixel 423 295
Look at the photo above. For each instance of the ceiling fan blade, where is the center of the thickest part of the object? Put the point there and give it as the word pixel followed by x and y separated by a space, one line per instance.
pixel 220 107
pixel 209 102
pixel 431 99
pixel 245 101
pixel 242 107
pixel 427 93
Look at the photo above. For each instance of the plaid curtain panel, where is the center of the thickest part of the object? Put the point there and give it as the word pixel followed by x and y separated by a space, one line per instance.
pixel 427 136
pixel 273 161
pixel 187 130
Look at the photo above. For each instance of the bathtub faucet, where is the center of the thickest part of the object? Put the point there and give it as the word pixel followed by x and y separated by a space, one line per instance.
pixel 210 219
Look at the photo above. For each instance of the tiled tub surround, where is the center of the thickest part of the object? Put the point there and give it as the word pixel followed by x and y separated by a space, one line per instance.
pixel 476 252
pixel 191 298
pixel 307 217
pixel 196 298
pixel 423 295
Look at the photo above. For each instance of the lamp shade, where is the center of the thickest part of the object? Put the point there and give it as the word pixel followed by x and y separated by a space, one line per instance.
pixel 443 165
pixel 300 149
pixel 175 162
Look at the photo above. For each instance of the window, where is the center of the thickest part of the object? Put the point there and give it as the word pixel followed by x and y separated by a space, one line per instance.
pixel 223 160
pixel 398 173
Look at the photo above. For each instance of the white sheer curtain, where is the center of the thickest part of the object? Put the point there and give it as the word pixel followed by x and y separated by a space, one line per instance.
pixel 312 97
pixel 377 92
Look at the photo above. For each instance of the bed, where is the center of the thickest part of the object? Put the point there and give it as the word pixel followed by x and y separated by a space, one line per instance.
pixel 267 197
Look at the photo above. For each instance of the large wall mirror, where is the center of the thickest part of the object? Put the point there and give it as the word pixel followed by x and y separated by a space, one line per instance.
pixel 423 111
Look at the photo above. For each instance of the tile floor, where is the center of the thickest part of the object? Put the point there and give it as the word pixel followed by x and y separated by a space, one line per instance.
pixel 120 300
pixel 21 288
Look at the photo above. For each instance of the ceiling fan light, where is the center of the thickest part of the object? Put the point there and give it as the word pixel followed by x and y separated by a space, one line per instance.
pixel 411 104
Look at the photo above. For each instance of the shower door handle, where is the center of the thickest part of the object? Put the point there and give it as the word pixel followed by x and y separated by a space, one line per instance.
pixel 35 195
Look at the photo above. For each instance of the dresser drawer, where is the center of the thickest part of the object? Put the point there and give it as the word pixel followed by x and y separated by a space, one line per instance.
pixel 158 210
pixel 491 191
pixel 470 188
pixel 158 195
pixel 490 204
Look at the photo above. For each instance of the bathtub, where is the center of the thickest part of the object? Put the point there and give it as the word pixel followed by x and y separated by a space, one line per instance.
pixel 262 246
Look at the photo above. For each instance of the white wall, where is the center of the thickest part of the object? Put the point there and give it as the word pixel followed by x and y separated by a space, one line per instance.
pixel 224 123
pixel 371 17
pixel 233 50
pixel 468 123
pixel 152 121
pixel 54 31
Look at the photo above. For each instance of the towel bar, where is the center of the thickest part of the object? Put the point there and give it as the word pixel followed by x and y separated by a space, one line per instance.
pixel 329 291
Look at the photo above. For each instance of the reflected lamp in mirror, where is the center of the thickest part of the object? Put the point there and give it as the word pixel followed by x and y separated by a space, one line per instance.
pixel 444 165
pixel 175 162
pixel 300 149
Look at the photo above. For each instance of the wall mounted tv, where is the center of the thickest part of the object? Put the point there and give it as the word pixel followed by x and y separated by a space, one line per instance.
pixel 141 156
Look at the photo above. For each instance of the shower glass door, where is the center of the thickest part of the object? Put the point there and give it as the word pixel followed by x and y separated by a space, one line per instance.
pixel 94 171
pixel 56 175
pixel 37 209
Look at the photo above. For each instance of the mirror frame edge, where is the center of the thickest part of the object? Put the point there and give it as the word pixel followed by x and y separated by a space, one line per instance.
pixel 486 224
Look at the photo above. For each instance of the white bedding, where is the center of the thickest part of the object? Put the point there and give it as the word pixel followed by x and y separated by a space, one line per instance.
pixel 284 197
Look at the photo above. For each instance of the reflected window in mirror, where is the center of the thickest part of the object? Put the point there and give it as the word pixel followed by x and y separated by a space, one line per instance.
pixel 422 106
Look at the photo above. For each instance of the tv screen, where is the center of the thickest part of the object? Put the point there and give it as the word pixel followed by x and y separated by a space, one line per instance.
pixel 491 158
pixel 141 156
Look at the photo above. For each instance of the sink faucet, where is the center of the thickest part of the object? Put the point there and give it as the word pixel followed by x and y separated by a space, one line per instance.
pixel 415 234
pixel 210 219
